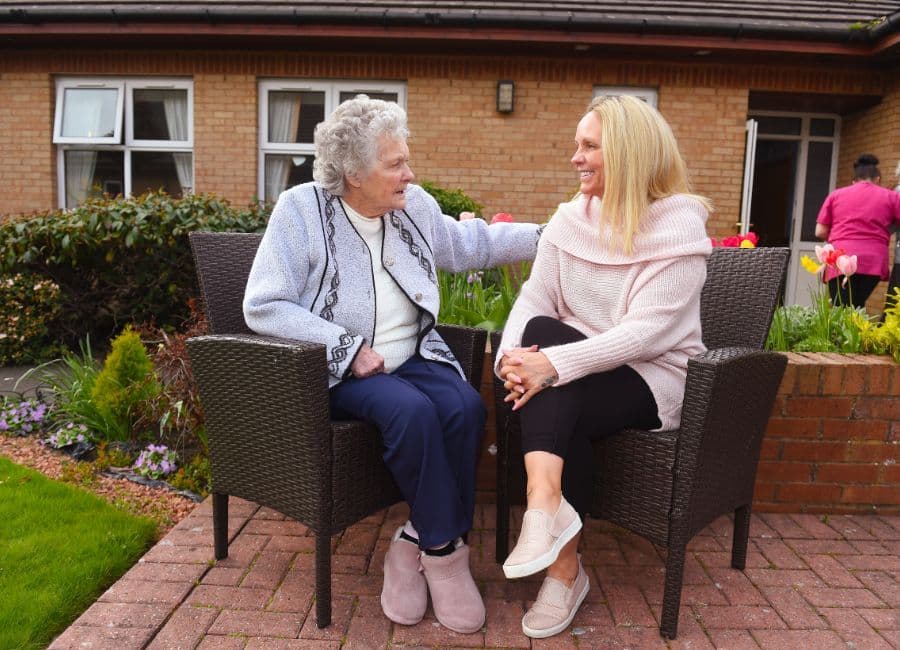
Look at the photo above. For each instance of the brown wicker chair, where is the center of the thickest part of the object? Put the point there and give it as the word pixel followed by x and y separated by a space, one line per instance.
pixel 266 402
pixel 667 486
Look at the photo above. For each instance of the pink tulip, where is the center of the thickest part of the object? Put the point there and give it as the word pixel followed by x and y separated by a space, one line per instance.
pixel 824 252
pixel 846 264
pixel 502 217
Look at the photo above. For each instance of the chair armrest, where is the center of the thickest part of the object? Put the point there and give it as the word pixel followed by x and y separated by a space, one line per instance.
pixel 467 344
pixel 728 398
pixel 267 409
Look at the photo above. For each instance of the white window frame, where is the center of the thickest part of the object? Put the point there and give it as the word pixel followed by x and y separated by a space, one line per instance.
pixel 62 85
pixel 159 84
pixel 649 95
pixel 332 90
pixel 124 125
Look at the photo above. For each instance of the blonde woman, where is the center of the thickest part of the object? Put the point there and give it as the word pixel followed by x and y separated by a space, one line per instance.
pixel 600 336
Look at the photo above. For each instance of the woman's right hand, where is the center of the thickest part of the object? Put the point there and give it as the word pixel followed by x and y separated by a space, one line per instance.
pixel 367 363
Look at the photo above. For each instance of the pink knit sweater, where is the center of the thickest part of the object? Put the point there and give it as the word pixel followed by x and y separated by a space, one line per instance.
pixel 641 310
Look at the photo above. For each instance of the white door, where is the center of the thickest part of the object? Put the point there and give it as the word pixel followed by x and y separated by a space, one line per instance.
pixel 794 168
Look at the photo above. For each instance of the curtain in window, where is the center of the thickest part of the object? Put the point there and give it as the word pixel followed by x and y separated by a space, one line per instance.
pixel 79 174
pixel 284 111
pixel 175 104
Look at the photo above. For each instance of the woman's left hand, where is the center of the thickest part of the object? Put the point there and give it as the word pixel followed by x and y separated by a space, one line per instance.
pixel 526 372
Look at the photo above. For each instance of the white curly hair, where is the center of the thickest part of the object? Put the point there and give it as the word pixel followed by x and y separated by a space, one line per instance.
pixel 347 141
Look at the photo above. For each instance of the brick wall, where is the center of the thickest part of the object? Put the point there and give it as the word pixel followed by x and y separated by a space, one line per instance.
pixel 710 126
pixel 833 439
pixel 517 163
pixel 226 135
pixel 28 163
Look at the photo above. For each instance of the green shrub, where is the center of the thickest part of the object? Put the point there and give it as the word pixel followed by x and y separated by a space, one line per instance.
pixel 452 202
pixel 118 261
pixel 126 381
pixel 29 308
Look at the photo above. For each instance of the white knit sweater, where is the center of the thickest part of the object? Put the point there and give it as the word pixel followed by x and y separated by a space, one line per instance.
pixel 640 310
pixel 396 318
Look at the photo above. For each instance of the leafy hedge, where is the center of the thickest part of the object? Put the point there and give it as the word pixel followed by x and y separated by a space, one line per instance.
pixel 29 308
pixel 452 202
pixel 118 261
pixel 124 260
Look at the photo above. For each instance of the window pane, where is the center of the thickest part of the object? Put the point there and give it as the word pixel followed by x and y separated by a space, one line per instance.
pixel 93 173
pixel 818 180
pixel 89 112
pixel 779 125
pixel 293 115
pixel 388 97
pixel 154 170
pixel 160 114
pixel 822 127
pixel 283 172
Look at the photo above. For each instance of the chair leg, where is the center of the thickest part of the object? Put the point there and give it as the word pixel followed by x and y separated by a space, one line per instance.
pixel 323 580
pixel 668 626
pixel 741 537
pixel 502 551
pixel 502 547
pixel 220 525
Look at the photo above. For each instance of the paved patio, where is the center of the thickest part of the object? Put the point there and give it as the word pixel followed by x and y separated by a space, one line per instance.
pixel 811 582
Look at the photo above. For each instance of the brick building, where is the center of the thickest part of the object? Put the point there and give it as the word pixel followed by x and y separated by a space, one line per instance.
pixel 221 97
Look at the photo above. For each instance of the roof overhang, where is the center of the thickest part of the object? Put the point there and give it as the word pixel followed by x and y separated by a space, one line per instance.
pixel 282 27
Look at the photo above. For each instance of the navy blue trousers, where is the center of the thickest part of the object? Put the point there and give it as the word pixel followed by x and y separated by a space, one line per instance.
pixel 431 421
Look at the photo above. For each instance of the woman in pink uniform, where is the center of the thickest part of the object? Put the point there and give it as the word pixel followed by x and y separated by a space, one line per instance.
pixel 856 219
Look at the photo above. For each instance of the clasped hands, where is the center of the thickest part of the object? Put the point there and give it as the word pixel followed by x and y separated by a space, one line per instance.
pixel 525 373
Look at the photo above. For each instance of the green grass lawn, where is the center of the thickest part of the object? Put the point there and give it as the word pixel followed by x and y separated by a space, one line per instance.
pixel 60 548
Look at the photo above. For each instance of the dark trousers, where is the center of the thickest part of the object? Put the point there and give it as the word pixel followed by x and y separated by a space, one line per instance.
pixel 432 422
pixel 564 420
pixel 858 289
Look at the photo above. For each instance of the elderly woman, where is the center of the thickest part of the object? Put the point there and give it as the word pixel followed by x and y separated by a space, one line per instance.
pixel 351 261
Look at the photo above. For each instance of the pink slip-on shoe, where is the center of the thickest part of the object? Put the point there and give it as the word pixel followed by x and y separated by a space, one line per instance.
pixel 555 606
pixel 404 595
pixel 454 595
pixel 542 538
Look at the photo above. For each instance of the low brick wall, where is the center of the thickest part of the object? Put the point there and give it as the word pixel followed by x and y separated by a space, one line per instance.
pixel 833 440
pixel 832 444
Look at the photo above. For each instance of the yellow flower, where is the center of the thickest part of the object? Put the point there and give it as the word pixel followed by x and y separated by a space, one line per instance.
pixel 807 263
pixel 746 243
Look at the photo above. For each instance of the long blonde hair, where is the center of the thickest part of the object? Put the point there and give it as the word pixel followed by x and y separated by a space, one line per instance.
pixel 641 163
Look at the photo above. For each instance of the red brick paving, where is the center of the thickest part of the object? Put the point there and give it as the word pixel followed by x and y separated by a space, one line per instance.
pixel 811 581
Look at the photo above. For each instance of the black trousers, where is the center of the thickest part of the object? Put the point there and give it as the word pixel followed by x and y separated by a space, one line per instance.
pixel 564 420
pixel 859 288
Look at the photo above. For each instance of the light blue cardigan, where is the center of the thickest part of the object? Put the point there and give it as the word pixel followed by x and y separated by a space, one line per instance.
pixel 312 276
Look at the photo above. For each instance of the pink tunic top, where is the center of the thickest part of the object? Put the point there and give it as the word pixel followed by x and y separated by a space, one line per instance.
pixel 860 216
